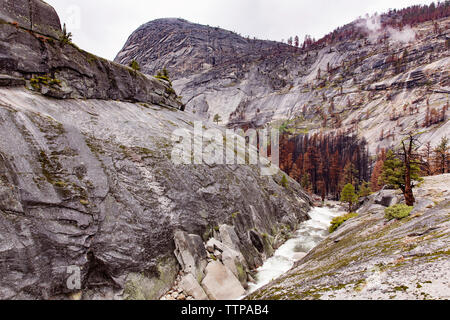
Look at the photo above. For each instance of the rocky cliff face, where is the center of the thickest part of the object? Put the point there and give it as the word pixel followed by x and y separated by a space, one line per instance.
pixel 359 85
pixel 62 70
pixel 369 257
pixel 88 187
pixel 34 15
pixel 185 48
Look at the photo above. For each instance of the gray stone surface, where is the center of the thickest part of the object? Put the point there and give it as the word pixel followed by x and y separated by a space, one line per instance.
pixel 90 183
pixel 235 262
pixel 388 198
pixel 191 254
pixel 34 15
pixel 229 237
pixel 190 285
pixel 220 283
pixel 213 245
pixel 8 81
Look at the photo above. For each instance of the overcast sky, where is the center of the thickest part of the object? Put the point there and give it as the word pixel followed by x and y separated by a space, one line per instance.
pixel 103 26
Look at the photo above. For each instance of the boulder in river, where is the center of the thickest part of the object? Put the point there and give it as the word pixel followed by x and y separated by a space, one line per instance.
pixel 220 283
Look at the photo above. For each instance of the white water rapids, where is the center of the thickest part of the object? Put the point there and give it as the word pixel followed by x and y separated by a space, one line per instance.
pixel 308 236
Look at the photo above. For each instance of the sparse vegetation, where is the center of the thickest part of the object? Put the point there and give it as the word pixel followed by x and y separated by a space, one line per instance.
pixel 163 75
pixel 66 37
pixel 364 190
pixel 398 212
pixel 134 65
pixel 349 196
pixel 217 118
pixel 338 221
pixel 284 181
pixel 37 82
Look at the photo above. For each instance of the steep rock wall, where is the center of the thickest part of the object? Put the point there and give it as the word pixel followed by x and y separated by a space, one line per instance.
pixel 88 186
pixel 35 15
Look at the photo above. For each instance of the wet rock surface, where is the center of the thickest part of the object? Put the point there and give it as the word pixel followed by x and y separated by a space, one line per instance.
pixel 369 257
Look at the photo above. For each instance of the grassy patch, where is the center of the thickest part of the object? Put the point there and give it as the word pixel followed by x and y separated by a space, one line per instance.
pixel 338 221
pixel 398 212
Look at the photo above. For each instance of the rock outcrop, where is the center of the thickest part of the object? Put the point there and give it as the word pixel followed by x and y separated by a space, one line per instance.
pixel 62 70
pixel 34 15
pixel 369 257
pixel 90 199
pixel 185 48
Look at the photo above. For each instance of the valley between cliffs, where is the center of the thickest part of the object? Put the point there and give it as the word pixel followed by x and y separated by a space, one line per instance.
pixel 93 205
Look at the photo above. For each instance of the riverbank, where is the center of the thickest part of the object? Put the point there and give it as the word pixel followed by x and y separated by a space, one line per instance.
pixel 308 236
pixel 369 257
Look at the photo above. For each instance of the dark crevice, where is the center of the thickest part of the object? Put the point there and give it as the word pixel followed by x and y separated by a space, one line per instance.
pixel 98 274
pixel 30 7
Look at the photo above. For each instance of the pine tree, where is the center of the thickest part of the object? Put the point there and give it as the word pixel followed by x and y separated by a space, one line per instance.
pixel 441 153
pixel 66 37
pixel 217 118
pixel 395 173
pixel 349 196
pixel 364 190
pixel 134 65
pixel 306 182
pixel 350 174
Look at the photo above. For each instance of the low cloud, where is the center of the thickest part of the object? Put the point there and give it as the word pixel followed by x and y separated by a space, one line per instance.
pixel 373 27
pixel 406 35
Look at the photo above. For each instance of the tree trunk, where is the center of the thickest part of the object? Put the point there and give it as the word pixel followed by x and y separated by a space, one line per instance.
pixel 408 192
pixel 409 196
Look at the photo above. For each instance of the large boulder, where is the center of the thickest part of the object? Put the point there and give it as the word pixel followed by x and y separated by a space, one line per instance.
pixel 229 237
pixel 221 284
pixel 191 286
pixel 191 254
pixel 213 244
pixel 387 198
pixel 34 15
pixel 235 262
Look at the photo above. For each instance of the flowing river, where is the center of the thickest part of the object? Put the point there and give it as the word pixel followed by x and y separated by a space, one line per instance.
pixel 308 236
